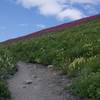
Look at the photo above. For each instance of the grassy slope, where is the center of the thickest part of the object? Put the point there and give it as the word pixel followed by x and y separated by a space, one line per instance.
pixel 76 51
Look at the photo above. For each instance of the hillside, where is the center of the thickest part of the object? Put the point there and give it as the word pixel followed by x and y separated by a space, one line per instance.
pixel 54 29
pixel 74 49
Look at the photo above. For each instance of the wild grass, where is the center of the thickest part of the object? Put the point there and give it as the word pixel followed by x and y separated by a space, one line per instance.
pixel 7 67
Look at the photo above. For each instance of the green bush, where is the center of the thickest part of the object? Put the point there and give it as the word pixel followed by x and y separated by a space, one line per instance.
pixel 7 65
pixel 76 66
pixel 84 66
pixel 4 92
pixel 87 86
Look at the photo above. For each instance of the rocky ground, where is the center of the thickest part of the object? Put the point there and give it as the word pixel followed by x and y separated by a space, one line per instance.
pixel 38 82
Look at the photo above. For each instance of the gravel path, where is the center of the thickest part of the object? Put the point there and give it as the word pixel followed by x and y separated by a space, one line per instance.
pixel 37 82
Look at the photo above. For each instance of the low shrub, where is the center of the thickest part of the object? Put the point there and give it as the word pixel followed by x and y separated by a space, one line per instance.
pixel 84 65
pixel 7 64
pixel 4 92
pixel 76 66
pixel 87 86
pixel 7 67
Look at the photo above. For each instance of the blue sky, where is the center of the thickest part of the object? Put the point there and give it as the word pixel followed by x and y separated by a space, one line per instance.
pixel 21 17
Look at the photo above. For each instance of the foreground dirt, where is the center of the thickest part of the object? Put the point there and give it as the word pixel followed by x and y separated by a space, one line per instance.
pixel 37 82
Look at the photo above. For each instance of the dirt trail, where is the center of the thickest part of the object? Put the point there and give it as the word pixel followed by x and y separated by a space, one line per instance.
pixel 37 82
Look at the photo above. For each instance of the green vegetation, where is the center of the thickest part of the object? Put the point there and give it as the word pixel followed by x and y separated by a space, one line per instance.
pixel 4 93
pixel 7 67
pixel 87 86
pixel 75 51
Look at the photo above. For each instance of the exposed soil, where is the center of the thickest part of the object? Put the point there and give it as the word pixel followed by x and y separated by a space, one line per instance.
pixel 38 82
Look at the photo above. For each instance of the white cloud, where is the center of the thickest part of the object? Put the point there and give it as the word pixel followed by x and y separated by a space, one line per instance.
pixel 50 9
pixel 41 26
pixel 85 1
pixel 46 7
pixel 71 14
pixel 59 8
pixel 81 1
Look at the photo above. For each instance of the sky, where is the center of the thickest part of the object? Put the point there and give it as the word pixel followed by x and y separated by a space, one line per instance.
pixel 22 17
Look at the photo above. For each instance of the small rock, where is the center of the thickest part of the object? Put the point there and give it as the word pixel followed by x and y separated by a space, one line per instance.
pixel 24 86
pixel 34 76
pixel 50 66
pixel 63 79
pixel 28 82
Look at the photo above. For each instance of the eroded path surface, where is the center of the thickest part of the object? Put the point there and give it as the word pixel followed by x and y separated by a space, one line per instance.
pixel 37 82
